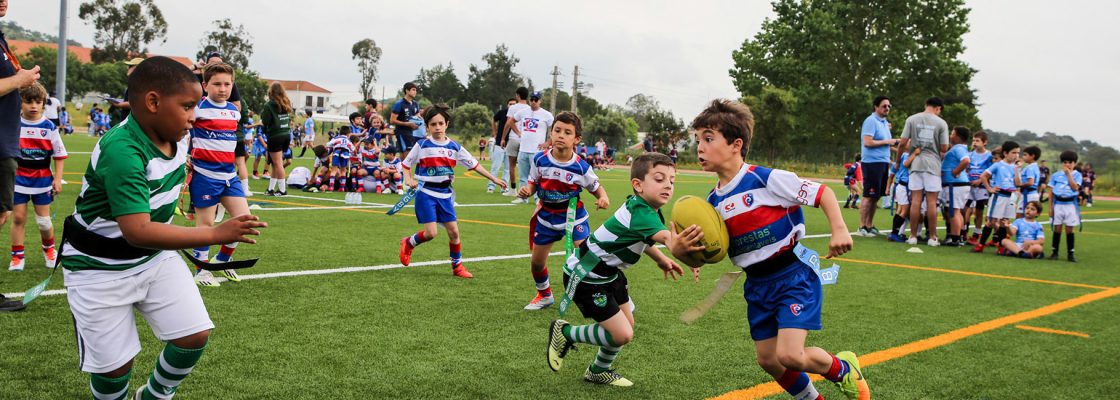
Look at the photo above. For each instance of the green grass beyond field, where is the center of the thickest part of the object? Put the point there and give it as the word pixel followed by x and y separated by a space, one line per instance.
pixel 944 324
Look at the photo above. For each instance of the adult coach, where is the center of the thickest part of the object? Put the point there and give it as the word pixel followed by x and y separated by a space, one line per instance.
pixel 403 110
pixel 875 153
pixel 512 143
pixel 12 78
pixel 533 123
pixel 930 137
pixel 276 123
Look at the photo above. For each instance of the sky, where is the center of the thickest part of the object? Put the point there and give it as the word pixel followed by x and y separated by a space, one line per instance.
pixel 1036 59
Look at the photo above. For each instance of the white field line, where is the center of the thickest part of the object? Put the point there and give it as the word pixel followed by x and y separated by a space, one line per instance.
pixel 354 207
pixel 286 274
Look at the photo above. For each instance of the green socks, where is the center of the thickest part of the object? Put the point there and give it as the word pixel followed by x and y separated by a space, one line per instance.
pixel 105 388
pixel 596 335
pixel 173 366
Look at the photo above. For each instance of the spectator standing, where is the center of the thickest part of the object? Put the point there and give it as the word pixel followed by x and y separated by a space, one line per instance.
pixel 875 153
pixel 930 134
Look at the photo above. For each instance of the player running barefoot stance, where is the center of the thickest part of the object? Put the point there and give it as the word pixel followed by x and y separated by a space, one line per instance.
pixel 556 176
pixel 602 293
pixel 118 246
pixel 214 175
pixel 762 209
pixel 433 162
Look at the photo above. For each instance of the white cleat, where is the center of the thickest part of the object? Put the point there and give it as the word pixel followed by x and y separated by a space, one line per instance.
pixel 206 278
pixel 933 242
pixel 540 303
pixel 913 241
pixel 519 201
pixel 16 265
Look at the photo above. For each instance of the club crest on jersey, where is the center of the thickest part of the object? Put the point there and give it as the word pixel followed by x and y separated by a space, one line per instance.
pixel 748 199
pixel 568 177
pixel 796 309
pixel 579 228
pixel 599 299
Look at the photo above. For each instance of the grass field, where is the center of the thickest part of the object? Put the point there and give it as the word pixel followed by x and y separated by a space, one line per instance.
pixel 944 324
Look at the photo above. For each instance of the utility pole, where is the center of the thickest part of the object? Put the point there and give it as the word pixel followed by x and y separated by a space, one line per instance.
pixel 575 87
pixel 60 73
pixel 555 83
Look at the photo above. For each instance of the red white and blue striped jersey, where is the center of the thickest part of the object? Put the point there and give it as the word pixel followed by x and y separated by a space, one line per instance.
pixel 762 210
pixel 435 163
pixel 371 158
pixel 39 142
pixel 214 138
pixel 340 146
pixel 559 181
pixel 392 164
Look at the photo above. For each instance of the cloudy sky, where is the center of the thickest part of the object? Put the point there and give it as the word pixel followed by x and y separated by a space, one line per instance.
pixel 1044 66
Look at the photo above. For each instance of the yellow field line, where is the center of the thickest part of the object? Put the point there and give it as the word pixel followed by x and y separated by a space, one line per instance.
pixel 1054 331
pixel 980 274
pixel 772 388
pixel 386 212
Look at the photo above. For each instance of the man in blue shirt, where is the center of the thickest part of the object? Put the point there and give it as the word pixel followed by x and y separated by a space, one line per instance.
pixel 403 110
pixel 955 184
pixel 12 78
pixel 876 145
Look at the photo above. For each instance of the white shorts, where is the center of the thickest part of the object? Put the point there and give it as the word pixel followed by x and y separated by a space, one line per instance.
pixel 954 196
pixel 513 144
pixel 1065 215
pixel 1021 205
pixel 901 195
pixel 978 194
pixel 104 322
pixel 925 181
pixel 1000 207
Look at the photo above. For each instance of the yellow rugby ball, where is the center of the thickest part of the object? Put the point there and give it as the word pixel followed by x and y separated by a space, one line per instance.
pixel 692 210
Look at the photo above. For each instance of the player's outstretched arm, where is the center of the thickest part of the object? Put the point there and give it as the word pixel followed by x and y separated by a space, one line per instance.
pixel 139 230
pixel 492 178
pixel 602 202
pixel 682 245
pixel 667 265
pixel 841 241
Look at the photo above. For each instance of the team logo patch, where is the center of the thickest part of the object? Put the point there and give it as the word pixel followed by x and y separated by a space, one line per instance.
pixel 795 309
pixel 206 197
pixel 568 177
pixel 748 199
pixel 599 299
pixel 579 228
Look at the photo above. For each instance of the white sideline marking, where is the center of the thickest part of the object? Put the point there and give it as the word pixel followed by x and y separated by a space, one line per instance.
pixel 416 264
pixel 286 274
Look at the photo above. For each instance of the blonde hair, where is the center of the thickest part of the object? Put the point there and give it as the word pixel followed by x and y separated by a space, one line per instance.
pixel 277 94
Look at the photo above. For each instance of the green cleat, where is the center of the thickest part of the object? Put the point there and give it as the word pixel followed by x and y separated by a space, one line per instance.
pixel 608 377
pixel 558 345
pixel 852 384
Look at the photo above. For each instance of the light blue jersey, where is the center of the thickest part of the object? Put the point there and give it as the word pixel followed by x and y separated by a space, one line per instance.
pixel 953 157
pixel 1059 185
pixel 1027 230
pixel 1002 176
pixel 1027 174
pixel 978 163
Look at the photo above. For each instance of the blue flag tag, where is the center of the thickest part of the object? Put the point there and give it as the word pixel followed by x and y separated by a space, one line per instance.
pixel 809 256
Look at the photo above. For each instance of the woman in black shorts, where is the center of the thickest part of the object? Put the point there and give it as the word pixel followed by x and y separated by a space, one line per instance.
pixel 276 120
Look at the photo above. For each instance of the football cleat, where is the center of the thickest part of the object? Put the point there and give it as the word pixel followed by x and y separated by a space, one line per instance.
pixel 852 383
pixel 406 251
pixel 540 302
pixel 608 377
pixel 558 345
pixel 16 265
pixel 462 272
pixel 206 278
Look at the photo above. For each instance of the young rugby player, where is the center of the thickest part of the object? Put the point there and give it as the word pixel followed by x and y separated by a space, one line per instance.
pixel 214 177
pixel 371 162
pixel 433 162
pixel 118 246
pixel 901 194
pixel 954 185
pixel 762 209
pixel 39 143
pixel 1030 176
pixel 390 172
pixel 979 159
pixel 603 294
pixel 1000 180
pixel 555 176
pixel 1064 209
pixel 1028 235
pixel 340 148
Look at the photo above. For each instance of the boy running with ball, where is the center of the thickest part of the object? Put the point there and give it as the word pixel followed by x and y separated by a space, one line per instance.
pixel 119 246
pixel 762 209
pixel 602 294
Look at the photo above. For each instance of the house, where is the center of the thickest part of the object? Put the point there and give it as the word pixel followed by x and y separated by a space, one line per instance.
pixel 305 95
pixel 83 54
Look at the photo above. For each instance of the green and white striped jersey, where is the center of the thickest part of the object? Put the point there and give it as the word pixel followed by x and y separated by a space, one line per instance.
pixel 620 241
pixel 127 174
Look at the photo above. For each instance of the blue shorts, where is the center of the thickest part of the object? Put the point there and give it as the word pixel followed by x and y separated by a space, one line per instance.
pixel 340 161
pixel 259 150
pixel 543 234
pixel 790 298
pixel 370 170
pixel 40 199
pixel 433 209
pixel 206 192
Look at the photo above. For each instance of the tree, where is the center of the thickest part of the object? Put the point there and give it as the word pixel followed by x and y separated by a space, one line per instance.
pixel 470 120
pixel 440 84
pixel 123 27
pixel 616 129
pixel 588 106
pixel 234 42
pixel 774 122
pixel 368 55
pixel 495 82
pixel 663 128
pixel 835 56
pixel 253 89
pixel 640 106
